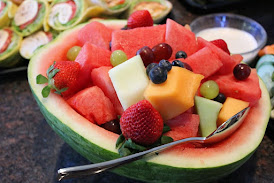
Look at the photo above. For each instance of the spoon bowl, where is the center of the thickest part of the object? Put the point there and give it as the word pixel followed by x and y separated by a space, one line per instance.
pixel 222 132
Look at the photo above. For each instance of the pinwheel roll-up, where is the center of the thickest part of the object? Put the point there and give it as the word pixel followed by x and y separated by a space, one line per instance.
pixel 30 17
pixel 65 14
pixel 33 42
pixel 7 11
pixel 113 7
pixel 10 43
pixel 157 8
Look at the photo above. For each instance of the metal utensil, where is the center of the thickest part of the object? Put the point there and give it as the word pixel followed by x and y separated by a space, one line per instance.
pixel 223 131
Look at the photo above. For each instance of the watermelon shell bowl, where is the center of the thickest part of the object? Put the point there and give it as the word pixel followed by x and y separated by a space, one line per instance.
pixel 179 164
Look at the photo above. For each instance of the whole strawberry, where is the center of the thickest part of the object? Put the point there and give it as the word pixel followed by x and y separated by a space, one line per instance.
pixel 61 77
pixel 142 123
pixel 221 44
pixel 140 18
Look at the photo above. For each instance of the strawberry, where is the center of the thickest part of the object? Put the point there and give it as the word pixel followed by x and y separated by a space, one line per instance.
pixel 221 44
pixel 140 18
pixel 142 123
pixel 61 77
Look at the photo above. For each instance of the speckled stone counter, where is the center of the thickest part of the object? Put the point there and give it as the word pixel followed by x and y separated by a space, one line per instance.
pixel 30 151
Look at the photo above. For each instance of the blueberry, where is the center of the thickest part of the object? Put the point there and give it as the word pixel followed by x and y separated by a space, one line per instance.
pixel 150 66
pixel 220 98
pixel 181 54
pixel 165 64
pixel 158 75
pixel 178 63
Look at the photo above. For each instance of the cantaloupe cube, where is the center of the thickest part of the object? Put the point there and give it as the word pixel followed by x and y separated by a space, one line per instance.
pixel 230 107
pixel 130 81
pixel 176 94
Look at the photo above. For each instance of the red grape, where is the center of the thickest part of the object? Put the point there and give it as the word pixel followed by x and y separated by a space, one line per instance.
pixel 112 126
pixel 146 55
pixel 241 71
pixel 162 51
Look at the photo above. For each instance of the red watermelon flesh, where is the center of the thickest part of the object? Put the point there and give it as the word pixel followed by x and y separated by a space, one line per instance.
pixel 130 41
pixel 228 61
pixel 95 33
pixel 180 38
pixel 247 90
pixel 93 105
pixel 204 62
pixel 183 126
pixel 100 78
pixel 237 58
pixel 91 57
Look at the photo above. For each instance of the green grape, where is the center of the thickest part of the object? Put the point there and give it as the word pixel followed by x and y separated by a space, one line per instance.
pixel 73 52
pixel 209 89
pixel 117 57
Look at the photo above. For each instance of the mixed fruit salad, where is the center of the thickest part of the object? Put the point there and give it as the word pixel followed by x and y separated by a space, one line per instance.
pixel 151 84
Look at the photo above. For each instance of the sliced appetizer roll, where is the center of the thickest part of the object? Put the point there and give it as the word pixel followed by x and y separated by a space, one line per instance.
pixel 157 8
pixel 30 16
pixel 65 14
pixel 113 7
pixel 10 43
pixel 7 11
pixel 31 43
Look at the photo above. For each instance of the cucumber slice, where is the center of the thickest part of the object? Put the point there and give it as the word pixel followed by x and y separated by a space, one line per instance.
pixel 263 59
pixel 265 71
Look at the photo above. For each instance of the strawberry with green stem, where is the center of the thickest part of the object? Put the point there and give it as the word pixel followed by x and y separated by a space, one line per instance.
pixel 61 77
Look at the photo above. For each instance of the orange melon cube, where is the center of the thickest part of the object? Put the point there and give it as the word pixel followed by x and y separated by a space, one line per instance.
pixel 230 107
pixel 176 94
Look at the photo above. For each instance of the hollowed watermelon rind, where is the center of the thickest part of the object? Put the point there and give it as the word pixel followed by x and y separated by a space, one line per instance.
pixel 157 173
pixel 97 144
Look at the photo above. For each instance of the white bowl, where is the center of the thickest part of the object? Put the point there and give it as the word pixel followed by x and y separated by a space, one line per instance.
pixel 238 22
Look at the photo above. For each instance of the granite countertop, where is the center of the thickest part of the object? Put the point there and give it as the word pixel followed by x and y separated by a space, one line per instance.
pixel 30 151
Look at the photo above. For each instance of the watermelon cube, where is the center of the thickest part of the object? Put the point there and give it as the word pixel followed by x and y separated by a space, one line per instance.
pixel 180 38
pixel 247 90
pixel 204 62
pixel 95 33
pixel 130 41
pixel 91 57
pixel 183 126
pixel 228 62
pixel 100 78
pixel 93 105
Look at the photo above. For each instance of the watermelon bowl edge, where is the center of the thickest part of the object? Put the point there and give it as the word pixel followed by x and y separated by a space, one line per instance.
pixel 176 165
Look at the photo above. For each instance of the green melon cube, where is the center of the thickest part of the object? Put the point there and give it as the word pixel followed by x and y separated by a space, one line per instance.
pixel 208 111
pixel 130 81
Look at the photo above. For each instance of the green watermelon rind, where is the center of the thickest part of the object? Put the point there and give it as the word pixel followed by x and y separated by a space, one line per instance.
pixel 153 170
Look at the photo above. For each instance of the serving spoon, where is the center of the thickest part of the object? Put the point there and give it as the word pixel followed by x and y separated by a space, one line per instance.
pixel 223 131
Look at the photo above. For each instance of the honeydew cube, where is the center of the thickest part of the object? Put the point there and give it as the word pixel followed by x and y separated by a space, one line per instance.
pixel 176 94
pixel 130 81
pixel 230 107
pixel 208 111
